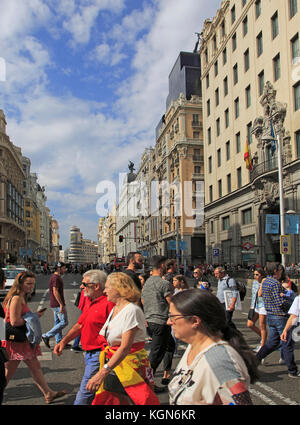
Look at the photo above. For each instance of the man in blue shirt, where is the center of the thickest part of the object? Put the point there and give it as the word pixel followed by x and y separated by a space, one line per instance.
pixel 276 319
pixel 226 283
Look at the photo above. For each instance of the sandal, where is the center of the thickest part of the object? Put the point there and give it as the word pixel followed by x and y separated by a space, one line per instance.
pixel 56 395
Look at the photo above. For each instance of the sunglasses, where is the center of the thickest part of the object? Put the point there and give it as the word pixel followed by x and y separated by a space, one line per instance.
pixel 86 284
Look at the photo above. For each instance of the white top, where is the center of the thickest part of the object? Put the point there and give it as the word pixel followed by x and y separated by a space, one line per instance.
pixel 128 318
pixel 295 307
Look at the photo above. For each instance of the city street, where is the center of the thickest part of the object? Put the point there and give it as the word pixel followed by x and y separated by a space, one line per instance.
pixel 65 372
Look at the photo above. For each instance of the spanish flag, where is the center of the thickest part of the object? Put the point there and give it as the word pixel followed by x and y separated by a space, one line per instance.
pixel 247 157
pixel 135 375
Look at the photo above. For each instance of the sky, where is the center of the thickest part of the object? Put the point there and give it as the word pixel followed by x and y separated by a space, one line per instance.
pixel 85 85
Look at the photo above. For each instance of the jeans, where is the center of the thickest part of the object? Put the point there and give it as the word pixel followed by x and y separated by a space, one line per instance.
pixel 92 365
pixel 276 325
pixel 161 341
pixel 60 322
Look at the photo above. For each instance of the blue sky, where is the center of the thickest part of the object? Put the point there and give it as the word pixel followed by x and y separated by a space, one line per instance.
pixel 86 84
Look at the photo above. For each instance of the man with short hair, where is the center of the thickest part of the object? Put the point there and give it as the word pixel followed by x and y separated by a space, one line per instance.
pixel 276 319
pixel 135 262
pixel 226 283
pixel 171 267
pixel 58 305
pixel 156 296
pixel 88 326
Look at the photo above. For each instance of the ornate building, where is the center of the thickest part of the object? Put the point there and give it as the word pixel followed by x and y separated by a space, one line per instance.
pixel 12 231
pixel 245 45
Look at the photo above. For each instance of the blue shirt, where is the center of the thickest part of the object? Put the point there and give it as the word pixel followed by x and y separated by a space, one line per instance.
pixel 271 290
pixel 222 286
pixel 259 300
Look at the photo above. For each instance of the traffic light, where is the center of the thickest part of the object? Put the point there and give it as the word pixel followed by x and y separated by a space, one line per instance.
pixel 121 238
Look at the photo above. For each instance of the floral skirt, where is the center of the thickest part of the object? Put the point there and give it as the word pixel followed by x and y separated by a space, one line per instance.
pixel 21 350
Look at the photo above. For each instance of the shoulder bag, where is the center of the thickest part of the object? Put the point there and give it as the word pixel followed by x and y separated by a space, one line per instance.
pixel 252 310
pixel 15 333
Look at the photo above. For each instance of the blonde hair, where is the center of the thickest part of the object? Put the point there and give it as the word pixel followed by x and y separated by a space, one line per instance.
pixel 18 285
pixel 126 287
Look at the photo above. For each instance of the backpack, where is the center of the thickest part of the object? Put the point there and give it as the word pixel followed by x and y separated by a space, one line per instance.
pixel 241 287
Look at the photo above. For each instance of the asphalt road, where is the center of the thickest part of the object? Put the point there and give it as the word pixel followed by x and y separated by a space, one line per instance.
pixel 65 372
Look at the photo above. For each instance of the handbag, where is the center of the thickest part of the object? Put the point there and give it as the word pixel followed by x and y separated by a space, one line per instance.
pixel 252 310
pixel 112 384
pixel 76 302
pixel 15 333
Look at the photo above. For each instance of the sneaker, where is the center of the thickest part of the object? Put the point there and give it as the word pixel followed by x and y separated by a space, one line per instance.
pixel 256 350
pixel 46 341
pixel 77 349
pixel 281 361
pixel 294 375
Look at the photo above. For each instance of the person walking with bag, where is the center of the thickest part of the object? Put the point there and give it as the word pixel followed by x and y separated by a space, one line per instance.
pixel 257 309
pixel 226 283
pixel 15 306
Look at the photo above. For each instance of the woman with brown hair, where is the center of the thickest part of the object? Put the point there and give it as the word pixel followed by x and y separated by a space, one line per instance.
pixel 179 283
pixel 15 306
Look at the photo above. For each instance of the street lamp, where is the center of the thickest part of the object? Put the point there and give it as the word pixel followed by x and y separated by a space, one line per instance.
pixel 270 139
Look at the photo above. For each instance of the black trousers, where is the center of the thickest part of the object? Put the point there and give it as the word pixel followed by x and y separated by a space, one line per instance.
pixel 2 380
pixel 162 346
pixel 229 315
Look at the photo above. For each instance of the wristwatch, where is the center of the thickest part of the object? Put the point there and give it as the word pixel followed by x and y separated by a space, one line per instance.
pixel 107 367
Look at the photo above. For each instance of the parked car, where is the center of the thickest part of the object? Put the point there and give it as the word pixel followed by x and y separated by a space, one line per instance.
pixel 11 272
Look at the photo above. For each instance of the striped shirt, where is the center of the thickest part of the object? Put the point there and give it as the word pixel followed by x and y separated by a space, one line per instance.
pixel 271 290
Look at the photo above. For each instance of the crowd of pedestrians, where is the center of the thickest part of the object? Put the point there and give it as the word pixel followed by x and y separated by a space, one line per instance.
pixel 121 311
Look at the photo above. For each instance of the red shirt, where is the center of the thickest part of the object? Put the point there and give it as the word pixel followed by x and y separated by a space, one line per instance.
pixel 92 319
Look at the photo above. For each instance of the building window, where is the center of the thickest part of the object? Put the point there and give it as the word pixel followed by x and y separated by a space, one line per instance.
pixel 210 165
pixel 261 82
pixel 247 216
pixel 257 8
pixel 196 134
pixel 244 2
pixel 234 42
pixel 197 169
pixel 228 183
pixel 216 68
pixel 248 96
pixel 235 74
pixel 217 96
pixel 274 25
pixel 298 143
pixel 206 56
pixel 259 44
pixel 245 26
pixel 210 193
pixel 228 150
pixel 225 86
pixel 207 81
pixel 237 107
pixel 220 188
pixel 295 47
pixel 276 67
pixel 224 56
pixel 209 135
pixel 233 15
pixel 219 157
pixel 215 42
pixel 226 115
pixel 218 126
pixel 212 226
pixel 208 107
pixel 223 30
pixel 238 142
pixel 225 222
pixel 246 60
pixel 239 177
pixel 249 132
pixel 297 96
pixel 293 7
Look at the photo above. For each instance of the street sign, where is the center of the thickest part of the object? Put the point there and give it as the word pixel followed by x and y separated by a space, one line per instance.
pixel 183 245
pixel 172 245
pixel 247 246
pixel 216 252
pixel 285 244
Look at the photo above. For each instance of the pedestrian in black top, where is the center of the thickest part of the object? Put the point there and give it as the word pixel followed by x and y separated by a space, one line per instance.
pixel 135 262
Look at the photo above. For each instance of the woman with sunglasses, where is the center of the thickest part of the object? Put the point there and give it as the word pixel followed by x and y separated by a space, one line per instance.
pixel 15 306
pixel 257 309
pixel 217 366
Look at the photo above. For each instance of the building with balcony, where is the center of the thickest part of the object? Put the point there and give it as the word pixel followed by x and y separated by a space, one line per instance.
pixel 12 230
pixel 249 54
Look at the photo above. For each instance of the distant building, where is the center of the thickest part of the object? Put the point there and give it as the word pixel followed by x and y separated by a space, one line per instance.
pixel 90 251
pixel 76 255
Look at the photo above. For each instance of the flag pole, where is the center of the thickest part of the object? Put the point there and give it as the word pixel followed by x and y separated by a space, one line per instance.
pixel 281 198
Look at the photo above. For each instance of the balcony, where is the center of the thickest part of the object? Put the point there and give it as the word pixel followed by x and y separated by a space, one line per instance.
pixel 266 167
pixel 198 158
pixel 197 124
